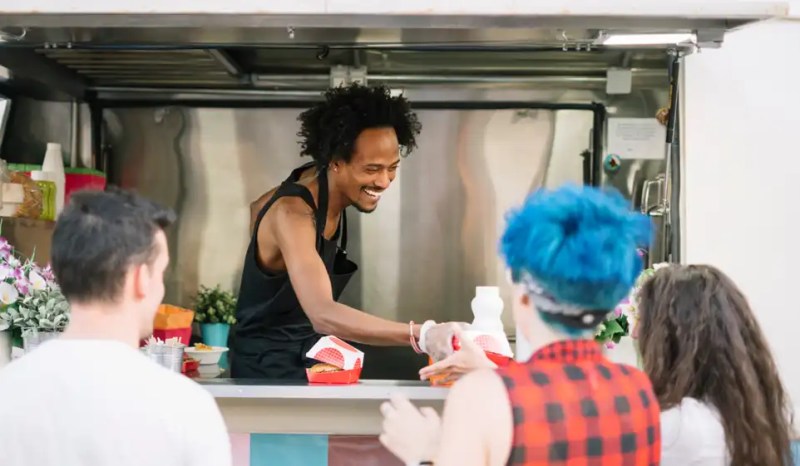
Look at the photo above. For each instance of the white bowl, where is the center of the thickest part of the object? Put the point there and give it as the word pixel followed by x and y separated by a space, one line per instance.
pixel 208 356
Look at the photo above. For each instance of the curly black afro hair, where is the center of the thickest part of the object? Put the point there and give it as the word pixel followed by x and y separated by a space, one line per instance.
pixel 329 129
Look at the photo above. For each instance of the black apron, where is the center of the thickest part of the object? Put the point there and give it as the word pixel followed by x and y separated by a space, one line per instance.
pixel 272 333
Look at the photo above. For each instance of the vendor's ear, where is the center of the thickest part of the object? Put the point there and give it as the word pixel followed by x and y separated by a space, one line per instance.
pixel 336 165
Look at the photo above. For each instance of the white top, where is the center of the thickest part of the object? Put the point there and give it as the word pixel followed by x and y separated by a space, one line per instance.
pixel 692 435
pixel 101 403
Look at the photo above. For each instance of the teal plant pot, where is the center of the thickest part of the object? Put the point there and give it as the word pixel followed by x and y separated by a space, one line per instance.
pixel 215 334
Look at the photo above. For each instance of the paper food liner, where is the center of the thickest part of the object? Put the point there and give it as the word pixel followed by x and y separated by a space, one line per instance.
pixel 334 351
pixel 491 343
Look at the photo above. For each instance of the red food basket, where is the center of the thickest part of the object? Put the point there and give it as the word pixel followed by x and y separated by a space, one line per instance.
pixel 334 351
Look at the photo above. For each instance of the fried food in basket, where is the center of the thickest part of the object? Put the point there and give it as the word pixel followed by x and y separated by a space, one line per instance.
pixel 322 368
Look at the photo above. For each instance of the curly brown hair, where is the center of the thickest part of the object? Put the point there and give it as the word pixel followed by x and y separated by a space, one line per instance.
pixel 699 339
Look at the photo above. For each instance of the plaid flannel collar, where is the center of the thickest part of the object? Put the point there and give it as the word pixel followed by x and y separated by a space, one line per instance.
pixel 569 352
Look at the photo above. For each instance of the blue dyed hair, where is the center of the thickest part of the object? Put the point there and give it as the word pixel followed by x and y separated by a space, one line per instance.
pixel 579 243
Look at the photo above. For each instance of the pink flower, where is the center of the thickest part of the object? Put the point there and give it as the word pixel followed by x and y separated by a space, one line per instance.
pixel 23 286
pixel 47 274
pixel 610 345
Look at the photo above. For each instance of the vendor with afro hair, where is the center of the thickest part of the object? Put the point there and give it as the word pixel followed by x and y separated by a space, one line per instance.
pixel 296 265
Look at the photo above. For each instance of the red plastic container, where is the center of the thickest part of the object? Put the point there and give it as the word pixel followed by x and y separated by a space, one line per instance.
pixel 498 359
pixel 334 351
pixel 76 179
pixel 335 378
pixel 183 334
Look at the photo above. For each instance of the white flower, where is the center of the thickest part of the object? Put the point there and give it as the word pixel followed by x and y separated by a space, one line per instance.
pixel 37 281
pixel 8 293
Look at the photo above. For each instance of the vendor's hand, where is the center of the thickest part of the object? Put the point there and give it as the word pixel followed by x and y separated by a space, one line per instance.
pixel 469 358
pixel 411 434
pixel 439 339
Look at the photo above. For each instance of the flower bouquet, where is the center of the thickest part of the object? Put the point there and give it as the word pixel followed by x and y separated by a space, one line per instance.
pixel 31 303
pixel 622 320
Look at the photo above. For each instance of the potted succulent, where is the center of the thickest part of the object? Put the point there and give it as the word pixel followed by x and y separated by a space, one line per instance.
pixel 41 315
pixel 215 311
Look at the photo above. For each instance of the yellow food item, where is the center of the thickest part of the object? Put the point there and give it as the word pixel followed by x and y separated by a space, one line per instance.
pixel 202 347
pixel 321 367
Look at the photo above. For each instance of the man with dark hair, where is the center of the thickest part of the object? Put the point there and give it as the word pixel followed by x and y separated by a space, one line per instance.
pixel 294 270
pixel 90 397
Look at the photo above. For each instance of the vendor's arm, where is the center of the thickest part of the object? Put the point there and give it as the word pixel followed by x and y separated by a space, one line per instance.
pixel 295 233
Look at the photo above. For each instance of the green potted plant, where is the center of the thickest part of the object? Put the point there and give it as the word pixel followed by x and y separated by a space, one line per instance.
pixel 215 311
pixel 41 315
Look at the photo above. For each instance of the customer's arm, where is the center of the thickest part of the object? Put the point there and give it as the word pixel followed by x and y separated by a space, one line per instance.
pixel 476 429
pixel 477 425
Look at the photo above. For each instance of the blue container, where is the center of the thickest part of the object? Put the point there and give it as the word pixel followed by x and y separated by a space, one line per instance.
pixel 215 334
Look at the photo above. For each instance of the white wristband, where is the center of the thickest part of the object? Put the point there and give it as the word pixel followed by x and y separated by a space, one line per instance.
pixel 422 332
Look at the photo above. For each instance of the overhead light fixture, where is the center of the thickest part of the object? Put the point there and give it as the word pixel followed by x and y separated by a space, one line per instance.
pixel 646 39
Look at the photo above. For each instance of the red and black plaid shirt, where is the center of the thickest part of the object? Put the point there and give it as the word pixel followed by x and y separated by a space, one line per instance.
pixel 573 407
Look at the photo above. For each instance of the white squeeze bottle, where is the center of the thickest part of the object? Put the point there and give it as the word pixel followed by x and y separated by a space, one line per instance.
pixel 53 165
pixel 487 326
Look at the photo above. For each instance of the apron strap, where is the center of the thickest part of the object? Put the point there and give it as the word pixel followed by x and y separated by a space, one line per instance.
pixel 321 214
pixel 343 243
pixel 290 188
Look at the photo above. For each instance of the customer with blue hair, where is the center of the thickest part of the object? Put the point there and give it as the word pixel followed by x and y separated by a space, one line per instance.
pixel 572 257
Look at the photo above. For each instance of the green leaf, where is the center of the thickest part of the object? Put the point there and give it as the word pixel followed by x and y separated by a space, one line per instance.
pixel 613 326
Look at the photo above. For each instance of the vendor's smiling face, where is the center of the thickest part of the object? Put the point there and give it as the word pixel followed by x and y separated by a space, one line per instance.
pixel 371 169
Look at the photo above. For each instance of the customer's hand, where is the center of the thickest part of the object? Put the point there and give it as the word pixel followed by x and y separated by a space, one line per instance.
pixel 411 434
pixel 438 340
pixel 469 358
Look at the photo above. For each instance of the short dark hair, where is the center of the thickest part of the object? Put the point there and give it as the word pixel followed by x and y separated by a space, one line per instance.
pixel 99 236
pixel 329 129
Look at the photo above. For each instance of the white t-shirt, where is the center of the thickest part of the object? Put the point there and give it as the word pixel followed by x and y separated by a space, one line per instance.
pixel 692 435
pixel 102 403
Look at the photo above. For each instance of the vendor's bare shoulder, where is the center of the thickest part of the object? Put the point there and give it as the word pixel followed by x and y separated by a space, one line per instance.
pixel 285 210
pixel 258 204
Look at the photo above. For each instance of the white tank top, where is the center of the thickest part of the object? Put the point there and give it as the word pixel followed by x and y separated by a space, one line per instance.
pixel 692 435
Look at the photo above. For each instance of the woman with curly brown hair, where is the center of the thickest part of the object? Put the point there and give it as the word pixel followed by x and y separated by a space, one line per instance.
pixel 721 398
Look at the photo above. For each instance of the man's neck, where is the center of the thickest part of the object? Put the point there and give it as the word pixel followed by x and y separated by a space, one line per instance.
pixel 103 322
pixel 337 201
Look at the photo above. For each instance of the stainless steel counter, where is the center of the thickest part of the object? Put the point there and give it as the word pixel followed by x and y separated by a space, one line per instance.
pixel 364 390
pixel 269 406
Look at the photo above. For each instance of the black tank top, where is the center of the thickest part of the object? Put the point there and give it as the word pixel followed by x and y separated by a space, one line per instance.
pixel 272 333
